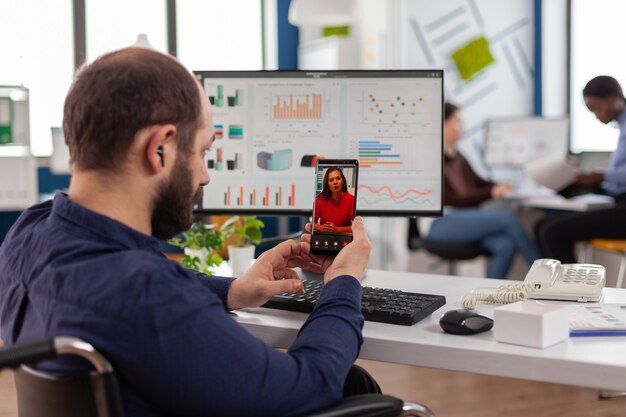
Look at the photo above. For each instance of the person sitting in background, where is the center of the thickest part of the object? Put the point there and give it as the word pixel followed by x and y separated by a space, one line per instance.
pixel 497 231
pixel 557 235
pixel 604 98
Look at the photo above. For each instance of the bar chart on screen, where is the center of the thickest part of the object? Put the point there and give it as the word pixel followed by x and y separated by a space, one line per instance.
pixel 385 154
pixel 288 107
pixel 261 196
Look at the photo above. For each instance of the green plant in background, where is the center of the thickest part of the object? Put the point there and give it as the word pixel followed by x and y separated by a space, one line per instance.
pixel 199 242
pixel 246 229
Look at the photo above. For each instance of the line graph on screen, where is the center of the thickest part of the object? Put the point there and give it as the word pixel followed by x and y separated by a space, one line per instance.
pixel 396 195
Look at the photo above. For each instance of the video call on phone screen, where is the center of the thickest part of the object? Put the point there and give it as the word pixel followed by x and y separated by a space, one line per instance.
pixel 334 205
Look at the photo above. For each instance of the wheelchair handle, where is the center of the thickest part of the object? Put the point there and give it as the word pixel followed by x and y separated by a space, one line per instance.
pixel 15 356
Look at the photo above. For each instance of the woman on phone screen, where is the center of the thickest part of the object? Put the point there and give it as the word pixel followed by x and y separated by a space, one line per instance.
pixel 334 205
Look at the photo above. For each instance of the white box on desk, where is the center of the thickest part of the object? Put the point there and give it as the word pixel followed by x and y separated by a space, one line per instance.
pixel 529 323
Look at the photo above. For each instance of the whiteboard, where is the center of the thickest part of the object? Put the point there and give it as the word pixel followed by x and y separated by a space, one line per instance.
pixel 515 142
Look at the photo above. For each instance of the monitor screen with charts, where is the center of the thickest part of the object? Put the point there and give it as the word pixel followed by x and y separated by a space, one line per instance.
pixel 514 142
pixel 272 126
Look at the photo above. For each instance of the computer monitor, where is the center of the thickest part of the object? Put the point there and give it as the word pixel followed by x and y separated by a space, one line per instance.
pixel 272 126
pixel 60 159
pixel 514 142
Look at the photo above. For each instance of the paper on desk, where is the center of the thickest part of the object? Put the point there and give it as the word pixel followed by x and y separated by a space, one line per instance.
pixel 598 320
pixel 552 172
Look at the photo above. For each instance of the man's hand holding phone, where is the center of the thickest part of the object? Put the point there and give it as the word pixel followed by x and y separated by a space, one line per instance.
pixel 351 260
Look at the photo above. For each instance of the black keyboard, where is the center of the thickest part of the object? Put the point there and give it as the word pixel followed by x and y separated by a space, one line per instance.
pixel 377 304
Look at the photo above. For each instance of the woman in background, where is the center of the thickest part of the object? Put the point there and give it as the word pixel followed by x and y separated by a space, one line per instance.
pixel 334 206
pixel 497 231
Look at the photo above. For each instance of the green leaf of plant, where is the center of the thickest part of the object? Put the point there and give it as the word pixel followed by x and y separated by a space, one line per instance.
pixel 254 235
pixel 255 223
pixel 214 259
pixel 197 237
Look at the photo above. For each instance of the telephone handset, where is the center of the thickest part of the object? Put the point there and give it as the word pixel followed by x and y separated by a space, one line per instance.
pixel 547 279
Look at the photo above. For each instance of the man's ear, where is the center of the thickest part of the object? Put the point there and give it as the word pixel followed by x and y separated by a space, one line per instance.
pixel 159 142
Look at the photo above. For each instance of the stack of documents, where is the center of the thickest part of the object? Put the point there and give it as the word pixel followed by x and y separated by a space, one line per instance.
pixel 598 320
pixel 555 173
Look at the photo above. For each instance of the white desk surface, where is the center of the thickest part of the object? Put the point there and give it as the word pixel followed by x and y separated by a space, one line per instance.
pixel 597 362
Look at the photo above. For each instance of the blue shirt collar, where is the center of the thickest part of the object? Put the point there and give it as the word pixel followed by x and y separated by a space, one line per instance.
pixel 621 120
pixel 103 226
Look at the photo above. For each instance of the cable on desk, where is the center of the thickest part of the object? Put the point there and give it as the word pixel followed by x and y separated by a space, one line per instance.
pixel 503 294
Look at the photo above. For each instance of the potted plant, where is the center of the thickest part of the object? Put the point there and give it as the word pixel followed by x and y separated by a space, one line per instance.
pixel 246 231
pixel 199 243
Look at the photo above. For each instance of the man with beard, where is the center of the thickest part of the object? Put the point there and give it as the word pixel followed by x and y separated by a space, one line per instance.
pixel 87 264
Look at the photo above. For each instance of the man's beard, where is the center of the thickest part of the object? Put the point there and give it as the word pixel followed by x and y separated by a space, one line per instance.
pixel 172 211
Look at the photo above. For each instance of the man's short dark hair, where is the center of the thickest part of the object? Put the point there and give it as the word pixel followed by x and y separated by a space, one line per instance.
pixel 120 94
pixel 603 86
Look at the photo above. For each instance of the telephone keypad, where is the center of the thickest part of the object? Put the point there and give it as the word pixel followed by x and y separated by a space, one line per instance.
pixel 581 275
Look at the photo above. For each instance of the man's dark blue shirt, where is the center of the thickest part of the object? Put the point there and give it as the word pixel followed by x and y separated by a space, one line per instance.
pixel 68 271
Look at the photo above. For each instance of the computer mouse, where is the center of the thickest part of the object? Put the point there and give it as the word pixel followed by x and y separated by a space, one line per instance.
pixel 464 321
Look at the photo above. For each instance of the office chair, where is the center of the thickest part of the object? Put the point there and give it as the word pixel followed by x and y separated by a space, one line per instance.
pixel 97 394
pixel 617 246
pixel 450 252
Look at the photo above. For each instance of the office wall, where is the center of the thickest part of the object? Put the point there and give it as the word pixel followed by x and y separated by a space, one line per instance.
pixel 486 48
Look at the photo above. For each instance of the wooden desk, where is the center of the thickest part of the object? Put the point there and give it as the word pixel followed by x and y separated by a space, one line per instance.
pixel 596 362
pixel 178 257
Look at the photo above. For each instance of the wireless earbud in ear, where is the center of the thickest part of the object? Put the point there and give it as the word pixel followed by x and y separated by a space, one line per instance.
pixel 160 153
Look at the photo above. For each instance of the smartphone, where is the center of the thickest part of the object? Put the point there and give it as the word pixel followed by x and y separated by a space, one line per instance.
pixel 334 204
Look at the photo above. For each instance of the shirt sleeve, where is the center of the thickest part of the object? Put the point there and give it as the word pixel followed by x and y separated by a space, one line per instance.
pixel 474 195
pixel 615 175
pixel 350 209
pixel 468 200
pixel 196 360
pixel 218 285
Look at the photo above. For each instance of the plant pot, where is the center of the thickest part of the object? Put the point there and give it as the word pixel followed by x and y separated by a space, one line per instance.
pixel 201 253
pixel 240 258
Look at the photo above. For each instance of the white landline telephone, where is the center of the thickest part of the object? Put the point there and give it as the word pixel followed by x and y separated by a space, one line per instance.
pixel 547 279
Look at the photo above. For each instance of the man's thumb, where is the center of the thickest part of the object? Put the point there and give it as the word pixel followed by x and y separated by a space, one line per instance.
pixel 357 225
